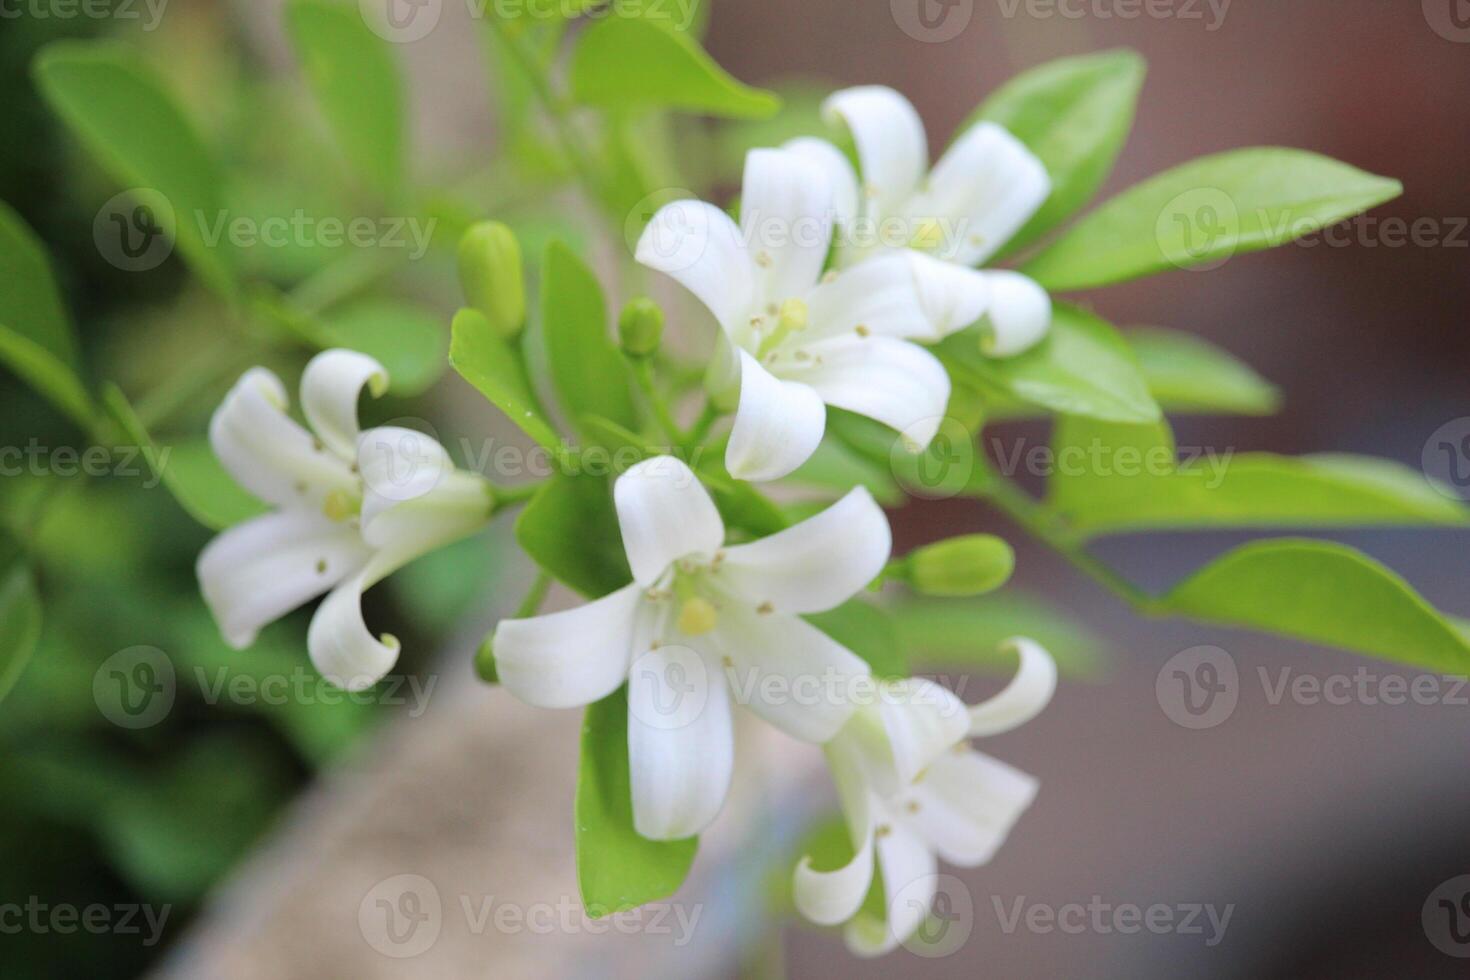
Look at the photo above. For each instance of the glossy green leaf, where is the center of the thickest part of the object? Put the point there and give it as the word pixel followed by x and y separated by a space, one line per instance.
pixel 131 124
pixel 20 611
pixel 1111 478
pixel 496 369
pixel 46 373
pixel 190 470
pixel 1083 367
pixel 1074 114
pixel 968 633
pixel 571 529
pixel 587 369
pixel 1324 593
pixel 1188 375
pixel 617 868
pixel 408 340
pixel 867 631
pixel 356 82
pixel 30 302
pixel 1203 212
pixel 623 63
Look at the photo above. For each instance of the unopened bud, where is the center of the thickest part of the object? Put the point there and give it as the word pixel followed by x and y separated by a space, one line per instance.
pixel 485 667
pixel 641 327
pixel 490 272
pixel 966 566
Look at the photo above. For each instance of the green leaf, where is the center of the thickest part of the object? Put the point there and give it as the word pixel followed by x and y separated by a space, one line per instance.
pixel 129 122
pixel 408 340
pixel 571 529
pixel 496 369
pixel 1324 593
pixel 20 611
pixel 1111 478
pixel 587 369
pixel 836 468
pixel 868 632
pixel 1186 374
pixel 1074 114
pixel 1083 367
pixel 190 471
pixel 622 63
pixel 30 303
pixel 968 633
pixel 43 371
pixel 617 868
pixel 1204 212
pixel 352 72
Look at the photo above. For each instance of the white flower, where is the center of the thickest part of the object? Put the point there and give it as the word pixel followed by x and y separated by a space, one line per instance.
pixel 695 612
pixel 913 791
pixel 797 340
pixel 351 508
pixel 979 194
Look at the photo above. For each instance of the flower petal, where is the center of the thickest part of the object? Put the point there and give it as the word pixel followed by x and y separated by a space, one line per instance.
pixel 830 897
pixel 789 672
pixel 344 651
pixel 256 572
pixel 681 745
pixel 268 453
pixel 922 720
pixel 891 146
pixel 879 296
pixel 701 247
pixel 966 805
pixel 893 381
pixel 778 424
pixel 330 387
pixel 989 185
pixel 815 565
pixel 1024 697
pixel 1019 313
pixel 397 465
pixel 665 514
pixel 571 658
pixel 786 218
pixel 952 296
pixel 838 171
pixel 909 884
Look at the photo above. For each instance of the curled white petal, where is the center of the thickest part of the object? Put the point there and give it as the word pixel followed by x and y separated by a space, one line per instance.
pixel 830 897
pixel 922 720
pixel 397 465
pixel 567 659
pixel 839 173
pixel 1019 314
pixel 909 883
pixel 893 381
pixel 665 514
pixel 330 387
pixel 952 296
pixel 989 184
pixel 892 148
pixel 1028 693
pixel 343 649
pixel 700 246
pixel 966 805
pixel 256 572
pixel 778 424
pixel 268 453
pixel 816 564
pixel 786 218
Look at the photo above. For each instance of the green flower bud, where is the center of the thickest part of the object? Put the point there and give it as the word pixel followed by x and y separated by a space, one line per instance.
pixel 490 272
pixel 967 566
pixel 641 327
pixel 485 667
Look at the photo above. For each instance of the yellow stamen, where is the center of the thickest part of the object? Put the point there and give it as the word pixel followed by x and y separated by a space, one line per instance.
pixel 697 617
pixel 340 505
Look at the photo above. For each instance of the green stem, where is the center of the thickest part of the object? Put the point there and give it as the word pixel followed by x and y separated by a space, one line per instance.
pixel 513 495
pixel 643 374
pixel 531 604
pixel 700 430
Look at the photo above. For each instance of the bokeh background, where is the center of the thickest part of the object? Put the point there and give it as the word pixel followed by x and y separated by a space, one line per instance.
pixel 1325 828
